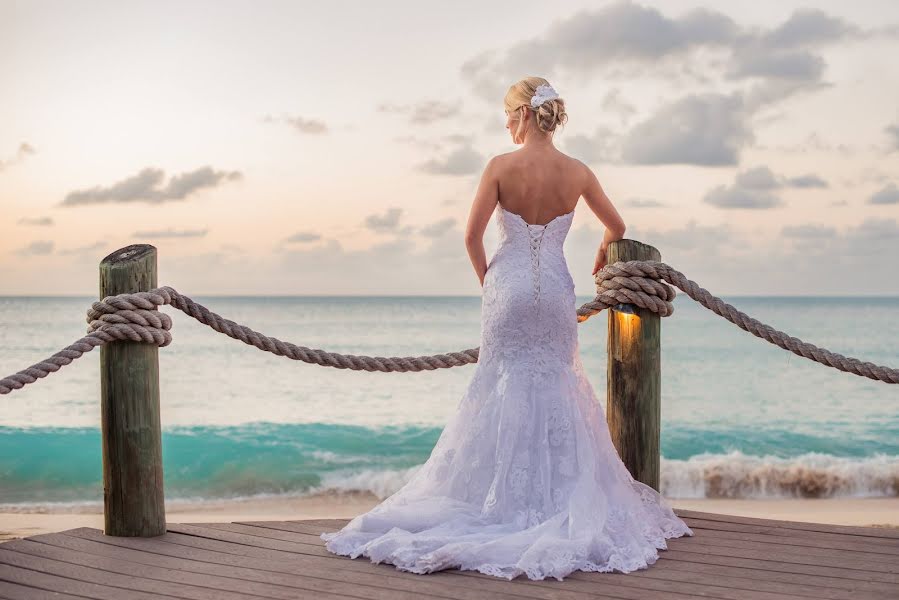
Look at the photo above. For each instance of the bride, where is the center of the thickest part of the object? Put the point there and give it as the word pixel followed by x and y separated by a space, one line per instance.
pixel 524 477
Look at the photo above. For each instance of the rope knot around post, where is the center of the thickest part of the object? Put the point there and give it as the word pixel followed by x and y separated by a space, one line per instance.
pixel 637 282
pixel 133 317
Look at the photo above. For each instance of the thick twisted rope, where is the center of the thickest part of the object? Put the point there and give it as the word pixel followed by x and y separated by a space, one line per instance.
pixel 134 317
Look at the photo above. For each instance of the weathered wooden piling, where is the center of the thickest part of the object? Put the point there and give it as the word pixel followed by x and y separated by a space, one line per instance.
pixel 633 397
pixel 133 499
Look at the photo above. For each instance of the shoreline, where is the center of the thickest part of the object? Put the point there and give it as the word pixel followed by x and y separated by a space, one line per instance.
pixel 868 512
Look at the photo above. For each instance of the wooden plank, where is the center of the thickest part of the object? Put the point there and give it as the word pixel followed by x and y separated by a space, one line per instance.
pixel 842 543
pixel 880 532
pixel 111 573
pixel 697 524
pixel 249 540
pixel 812 585
pixel 55 583
pixel 865 561
pixel 770 565
pixel 14 591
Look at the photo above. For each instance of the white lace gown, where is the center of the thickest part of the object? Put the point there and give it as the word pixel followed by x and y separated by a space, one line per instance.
pixel 524 478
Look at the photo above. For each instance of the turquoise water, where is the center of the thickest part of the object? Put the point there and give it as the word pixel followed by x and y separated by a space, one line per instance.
pixel 740 417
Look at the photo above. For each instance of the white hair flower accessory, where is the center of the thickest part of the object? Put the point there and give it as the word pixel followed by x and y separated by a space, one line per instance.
pixel 544 92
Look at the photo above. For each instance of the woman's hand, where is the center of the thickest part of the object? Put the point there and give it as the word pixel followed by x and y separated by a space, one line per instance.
pixel 600 258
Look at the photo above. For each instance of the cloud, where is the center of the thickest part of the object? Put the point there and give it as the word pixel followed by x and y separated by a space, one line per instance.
pixel 463 160
pixel 862 246
pixel 388 222
pixel 690 237
pixel 614 103
pixel 423 113
pixel 304 236
pixel 889 194
pixel 36 221
pixel 83 249
pixel 735 197
pixel 701 129
pixel 809 27
pixel 301 124
pixel 170 233
pixel 587 41
pixel 24 150
pixel 643 203
pixel 438 228
pixel 36 248
pixel 787 51
pixel 147 186
pixel 807 181
pixel 808 231
pixel 893 132
pixel 753 189
pixel 767 62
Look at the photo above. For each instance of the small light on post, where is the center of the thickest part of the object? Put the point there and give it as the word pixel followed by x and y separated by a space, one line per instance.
pixel 626 309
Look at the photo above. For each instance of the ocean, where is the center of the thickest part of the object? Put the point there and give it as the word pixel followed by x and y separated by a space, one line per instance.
pixel 741 418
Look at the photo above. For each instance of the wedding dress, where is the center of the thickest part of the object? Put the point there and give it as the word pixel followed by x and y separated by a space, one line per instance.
pixel 524 478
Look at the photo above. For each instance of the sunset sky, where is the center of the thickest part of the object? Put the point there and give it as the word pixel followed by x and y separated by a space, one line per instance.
pixel 335 147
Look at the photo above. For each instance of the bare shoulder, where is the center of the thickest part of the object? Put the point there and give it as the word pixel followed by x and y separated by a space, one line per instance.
pixel 581 170
pixel 503 159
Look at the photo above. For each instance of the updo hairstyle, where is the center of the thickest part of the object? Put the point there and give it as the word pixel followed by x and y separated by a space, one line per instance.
pixel 548 115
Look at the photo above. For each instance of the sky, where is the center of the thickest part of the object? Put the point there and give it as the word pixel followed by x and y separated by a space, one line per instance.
pixel 269 148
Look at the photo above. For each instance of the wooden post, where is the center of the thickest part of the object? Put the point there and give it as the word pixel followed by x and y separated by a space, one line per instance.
pixel 133 499
pixel 633 398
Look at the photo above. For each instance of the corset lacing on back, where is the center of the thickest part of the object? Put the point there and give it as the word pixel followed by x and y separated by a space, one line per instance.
pixel 536 238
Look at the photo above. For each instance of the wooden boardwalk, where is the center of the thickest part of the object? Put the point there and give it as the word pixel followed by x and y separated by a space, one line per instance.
pixel 737 558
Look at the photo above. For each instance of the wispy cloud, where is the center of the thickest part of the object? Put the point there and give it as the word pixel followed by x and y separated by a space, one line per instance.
pixel 170 233
pixel 893 132
pixel 385 223
pixel 462 160
pixel 423 113
pixel 755 187
pixel 303 237
pixel 438 228
pixel 36 248
pixel 36 221
pixel 643 203
pixel 84 249
pixel 301 124
pixel 149 186
pixel 889 194
pixel 24 150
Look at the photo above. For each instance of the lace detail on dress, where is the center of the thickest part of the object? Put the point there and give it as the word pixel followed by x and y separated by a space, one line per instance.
pixel 524 478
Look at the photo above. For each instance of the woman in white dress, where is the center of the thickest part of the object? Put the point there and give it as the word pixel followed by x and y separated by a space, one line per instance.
pixel 524 478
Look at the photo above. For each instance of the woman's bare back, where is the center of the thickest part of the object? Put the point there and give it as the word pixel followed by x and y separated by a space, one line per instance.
pixel 539 185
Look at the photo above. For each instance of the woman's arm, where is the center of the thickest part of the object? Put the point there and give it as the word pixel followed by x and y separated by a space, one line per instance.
pixel 599 203
pixel 484 204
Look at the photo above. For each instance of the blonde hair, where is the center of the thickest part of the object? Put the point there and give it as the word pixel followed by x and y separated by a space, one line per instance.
pixel 547 116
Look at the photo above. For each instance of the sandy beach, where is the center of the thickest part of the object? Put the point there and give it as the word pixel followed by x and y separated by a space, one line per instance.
pixel 876 512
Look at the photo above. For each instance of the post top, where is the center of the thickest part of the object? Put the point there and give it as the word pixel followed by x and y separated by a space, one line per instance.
pixel 128 254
